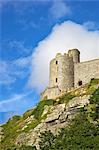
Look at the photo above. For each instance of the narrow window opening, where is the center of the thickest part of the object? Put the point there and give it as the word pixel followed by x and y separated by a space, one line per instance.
pixel 80 83
pixel 56 80
pixel 92 79
pixel 56 62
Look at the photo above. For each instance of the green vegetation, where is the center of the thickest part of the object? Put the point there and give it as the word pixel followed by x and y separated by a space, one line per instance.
pixel 94 81
pixel 94 99
pixel 10 130
pixel 37 113
pixel 66 98
pixel 14 125
pixel 23 147
pixel 31 125
pixel 93 107
pixel 82 134
pixel 92 86
pixel 40 108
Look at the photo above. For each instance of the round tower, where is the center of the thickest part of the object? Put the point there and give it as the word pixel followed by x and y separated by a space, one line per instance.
pixel 66 72
pixel 54 65
pixel 62 72
pixel 75 54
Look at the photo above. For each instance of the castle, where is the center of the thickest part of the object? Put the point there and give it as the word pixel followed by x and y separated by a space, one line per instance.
pixel 67 72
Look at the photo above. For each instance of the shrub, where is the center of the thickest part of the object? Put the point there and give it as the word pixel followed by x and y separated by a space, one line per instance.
pixel 95 97
pixel 24 147
pixel 40 108
pixel 66 98
pixel 80 135
pixel 94 81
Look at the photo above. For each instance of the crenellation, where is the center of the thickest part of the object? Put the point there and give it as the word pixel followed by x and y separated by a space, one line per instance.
pixel 75 54
pixel 67 73
pixel 66 55
pixel 58 55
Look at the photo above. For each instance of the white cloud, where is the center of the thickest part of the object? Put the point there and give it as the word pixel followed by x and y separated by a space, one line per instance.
pixel 59 9
pixel 64 36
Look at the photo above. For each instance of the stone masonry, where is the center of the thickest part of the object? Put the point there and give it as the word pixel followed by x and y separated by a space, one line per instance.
pixel 67 72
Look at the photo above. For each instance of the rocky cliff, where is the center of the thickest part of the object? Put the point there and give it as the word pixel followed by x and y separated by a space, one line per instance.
pixel 47 115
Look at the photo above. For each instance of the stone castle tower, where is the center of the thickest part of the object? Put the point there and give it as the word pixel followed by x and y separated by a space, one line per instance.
pixel 67 72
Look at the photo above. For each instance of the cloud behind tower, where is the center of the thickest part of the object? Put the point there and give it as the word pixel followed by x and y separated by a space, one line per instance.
pixel 64 36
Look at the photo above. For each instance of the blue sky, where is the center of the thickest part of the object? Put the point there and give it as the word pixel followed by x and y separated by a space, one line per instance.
pixel 27 29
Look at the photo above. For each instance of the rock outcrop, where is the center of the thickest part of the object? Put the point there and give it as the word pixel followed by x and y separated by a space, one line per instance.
pixel 59 117
pixel 51 114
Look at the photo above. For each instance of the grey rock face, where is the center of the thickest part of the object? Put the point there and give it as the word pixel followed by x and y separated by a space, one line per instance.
pixel 59 117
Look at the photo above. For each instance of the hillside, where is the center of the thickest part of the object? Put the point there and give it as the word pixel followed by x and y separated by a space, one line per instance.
pixel 4 116
pixel 69 122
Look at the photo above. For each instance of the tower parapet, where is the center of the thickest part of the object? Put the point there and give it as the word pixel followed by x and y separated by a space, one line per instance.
pixel 75 53
pixel 61 72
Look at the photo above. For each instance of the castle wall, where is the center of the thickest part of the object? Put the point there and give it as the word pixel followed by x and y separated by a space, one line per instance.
pixel 66 72
pixel 85 71
pixel 50 93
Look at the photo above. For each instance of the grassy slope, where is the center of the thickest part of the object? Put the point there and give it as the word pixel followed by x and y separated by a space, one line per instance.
pixel 14 126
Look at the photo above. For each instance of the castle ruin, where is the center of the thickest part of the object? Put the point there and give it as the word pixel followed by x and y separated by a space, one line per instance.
pixel 67 72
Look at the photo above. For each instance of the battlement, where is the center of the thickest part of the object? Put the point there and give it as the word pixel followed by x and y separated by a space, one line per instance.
pixel 61 55
pixel 58 55
pixel 66 73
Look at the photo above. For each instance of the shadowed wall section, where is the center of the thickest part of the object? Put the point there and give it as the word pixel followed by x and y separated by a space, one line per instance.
pixel 85 71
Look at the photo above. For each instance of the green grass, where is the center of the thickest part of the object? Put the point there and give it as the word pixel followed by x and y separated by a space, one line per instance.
pixel 95 97
pixel 40 108
pixel 10 130
pixel 92 86
pixel 32 125
pixel 14 126
pixel 66 98
pixel 28 113
pixel 94 81
pixel 93 108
